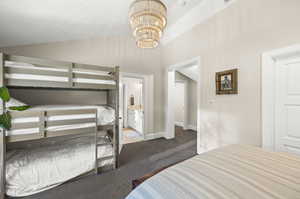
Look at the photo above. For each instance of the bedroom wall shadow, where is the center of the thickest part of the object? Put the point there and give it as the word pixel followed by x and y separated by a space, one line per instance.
pixel 50 97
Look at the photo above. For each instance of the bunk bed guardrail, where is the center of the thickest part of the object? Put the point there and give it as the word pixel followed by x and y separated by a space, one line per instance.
pixel 33 72
pixel 48 128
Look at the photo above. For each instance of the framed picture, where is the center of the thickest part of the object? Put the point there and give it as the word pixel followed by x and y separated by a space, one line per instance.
pixel 227 82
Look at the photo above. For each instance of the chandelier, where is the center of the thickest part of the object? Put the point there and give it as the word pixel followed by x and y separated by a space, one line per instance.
pixel 148 19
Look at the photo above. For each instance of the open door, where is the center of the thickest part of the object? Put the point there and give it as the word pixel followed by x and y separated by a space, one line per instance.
pixel 121 112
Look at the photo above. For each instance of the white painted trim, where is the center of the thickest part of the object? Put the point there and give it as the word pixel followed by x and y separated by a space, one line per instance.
pixel 152 136
pixel 269 61
pixel 170 118
pixel 170 130
pixel 188 127
pixel 121 113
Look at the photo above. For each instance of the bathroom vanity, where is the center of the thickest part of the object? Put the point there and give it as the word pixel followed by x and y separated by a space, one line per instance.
pixel 135 118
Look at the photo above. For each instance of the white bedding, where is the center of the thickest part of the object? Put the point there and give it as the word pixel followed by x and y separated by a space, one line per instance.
pixel 233 172
pixel 34 170
pixel 105 114
pixel 11 64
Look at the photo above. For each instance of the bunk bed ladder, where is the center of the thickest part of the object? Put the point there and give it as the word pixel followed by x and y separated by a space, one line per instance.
pixel 115 131
pixel 101 159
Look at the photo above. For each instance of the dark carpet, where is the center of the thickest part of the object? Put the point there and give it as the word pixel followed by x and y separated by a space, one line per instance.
pixel 136 160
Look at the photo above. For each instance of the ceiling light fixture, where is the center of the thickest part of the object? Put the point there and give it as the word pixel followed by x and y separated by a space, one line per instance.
pixel 148 19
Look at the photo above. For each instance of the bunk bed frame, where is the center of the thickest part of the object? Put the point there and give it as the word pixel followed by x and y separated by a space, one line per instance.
pixel 69 73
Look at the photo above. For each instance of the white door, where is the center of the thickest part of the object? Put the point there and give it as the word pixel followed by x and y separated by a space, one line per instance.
pixel 287 106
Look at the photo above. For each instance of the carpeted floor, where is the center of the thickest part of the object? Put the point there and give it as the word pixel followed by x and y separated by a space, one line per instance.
pixel 136 160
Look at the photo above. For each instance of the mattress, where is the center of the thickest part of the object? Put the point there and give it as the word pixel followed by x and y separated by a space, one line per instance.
pixel 233 172
pixel 105 114
pixel 11 64
pixel 33 170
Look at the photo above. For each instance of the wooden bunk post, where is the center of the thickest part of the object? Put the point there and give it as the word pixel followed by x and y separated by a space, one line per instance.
pixel 116 126
pixel 2 135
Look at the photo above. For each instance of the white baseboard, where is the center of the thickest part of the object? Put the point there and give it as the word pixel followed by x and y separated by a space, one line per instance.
pixel 189 127
pixel 152 136
pixel 192 127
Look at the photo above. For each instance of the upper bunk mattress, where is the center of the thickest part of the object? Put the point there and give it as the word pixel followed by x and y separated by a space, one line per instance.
pixel 233 172
pixel 105 115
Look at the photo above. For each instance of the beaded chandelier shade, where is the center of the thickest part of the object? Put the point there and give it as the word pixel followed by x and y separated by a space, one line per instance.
pixel 148 19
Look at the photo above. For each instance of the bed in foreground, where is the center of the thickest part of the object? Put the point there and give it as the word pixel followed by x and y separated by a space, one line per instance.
pixel 231 172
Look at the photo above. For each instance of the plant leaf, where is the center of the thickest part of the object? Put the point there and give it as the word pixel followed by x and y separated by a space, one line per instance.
pixel 4 94
pixel 19 108
pixel 5 121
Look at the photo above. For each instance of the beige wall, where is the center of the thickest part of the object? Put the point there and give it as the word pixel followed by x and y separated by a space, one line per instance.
pixel 235 38
pixel 106 51
pixel 191 100
pixel 179 103
pixel 192 104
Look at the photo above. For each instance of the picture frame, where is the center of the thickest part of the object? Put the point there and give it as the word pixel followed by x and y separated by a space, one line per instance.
pixel 227 82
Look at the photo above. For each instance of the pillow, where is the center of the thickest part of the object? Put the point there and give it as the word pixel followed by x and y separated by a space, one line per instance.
pixel 14 104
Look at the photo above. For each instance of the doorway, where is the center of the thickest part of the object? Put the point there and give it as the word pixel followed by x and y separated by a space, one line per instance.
pixel 146 102
pixel 281 100
pixel 180 103
pixel 191 70
pixel 133 109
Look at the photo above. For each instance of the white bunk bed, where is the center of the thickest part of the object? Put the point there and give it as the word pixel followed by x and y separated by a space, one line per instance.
pixel 85 146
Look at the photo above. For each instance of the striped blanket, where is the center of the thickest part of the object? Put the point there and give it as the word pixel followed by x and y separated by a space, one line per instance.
pixel 232 172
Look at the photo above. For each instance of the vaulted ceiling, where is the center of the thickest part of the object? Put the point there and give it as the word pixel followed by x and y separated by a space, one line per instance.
pixel 41 21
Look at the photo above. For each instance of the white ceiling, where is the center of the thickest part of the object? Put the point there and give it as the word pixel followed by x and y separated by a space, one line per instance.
pixel 41 21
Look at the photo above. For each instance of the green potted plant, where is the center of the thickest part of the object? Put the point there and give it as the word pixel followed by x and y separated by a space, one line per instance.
pixel 5 117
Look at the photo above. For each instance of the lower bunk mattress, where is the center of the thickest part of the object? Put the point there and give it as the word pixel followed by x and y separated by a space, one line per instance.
pixel 30 171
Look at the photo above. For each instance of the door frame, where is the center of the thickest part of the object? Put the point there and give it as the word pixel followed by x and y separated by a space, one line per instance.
pixel 170 120
pixel 269 61
pixel 148 99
